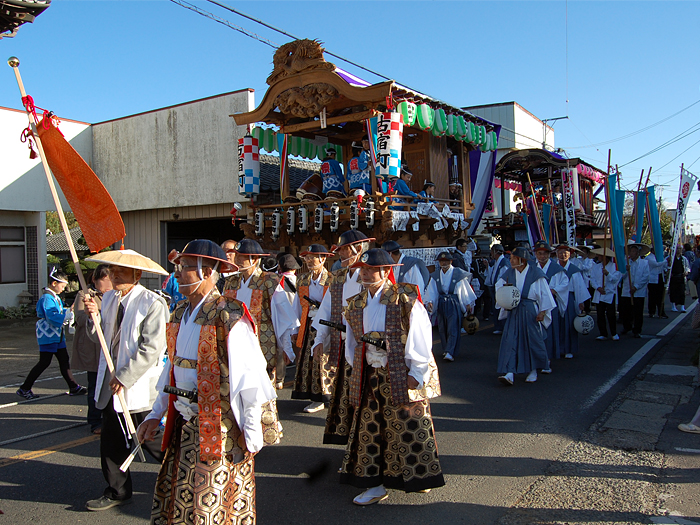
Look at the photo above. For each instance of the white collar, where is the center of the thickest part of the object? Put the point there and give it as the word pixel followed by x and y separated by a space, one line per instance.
pixel 187 315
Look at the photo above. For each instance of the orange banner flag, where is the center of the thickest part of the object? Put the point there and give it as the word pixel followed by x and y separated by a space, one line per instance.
pixel 94 209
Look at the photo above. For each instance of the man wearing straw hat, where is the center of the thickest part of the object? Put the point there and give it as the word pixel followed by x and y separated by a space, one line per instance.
pixel 314 375
pixel 578 295
pixel 209 441
pixel 634 289
pixel 133 322
pixel 342 285
pixel 604 279
pixel 392 440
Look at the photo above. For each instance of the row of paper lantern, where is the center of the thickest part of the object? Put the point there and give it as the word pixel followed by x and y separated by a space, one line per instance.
pixel 440 124
pixel 590 173
pixel 297 146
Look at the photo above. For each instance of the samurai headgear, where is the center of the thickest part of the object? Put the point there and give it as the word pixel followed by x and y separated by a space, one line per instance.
pixel 375 258
pixel 288 263
pixel 391 246
pixel 521 252
pixel 444 256
pixel 542 245
pixel 498 248
pixel 206 249
pixel 350 237
pixel 317 249
pixel 249 247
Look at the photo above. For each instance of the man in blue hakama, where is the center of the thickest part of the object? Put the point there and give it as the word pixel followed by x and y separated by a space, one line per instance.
pixel 559 286
pixel 578 295
pixel 522 349
pixel 455 298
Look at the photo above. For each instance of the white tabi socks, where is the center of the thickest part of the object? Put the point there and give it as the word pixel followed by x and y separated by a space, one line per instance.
pixel 370 496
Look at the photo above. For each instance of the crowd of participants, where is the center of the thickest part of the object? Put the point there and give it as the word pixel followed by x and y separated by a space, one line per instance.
pixel 361 336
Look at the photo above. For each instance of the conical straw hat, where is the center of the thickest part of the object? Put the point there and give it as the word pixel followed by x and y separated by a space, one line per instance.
pixel 128 259
pixel 604 251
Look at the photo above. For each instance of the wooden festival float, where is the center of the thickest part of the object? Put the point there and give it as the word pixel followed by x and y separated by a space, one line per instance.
pixel 544 177
pixel 311 105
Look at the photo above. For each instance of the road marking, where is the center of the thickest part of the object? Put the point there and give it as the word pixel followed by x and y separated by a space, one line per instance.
pixel 8 405
pixel 672 519
pixel 601 391
pixel 670 326
pixel 689 450
pixel 43 379
pixel 45 433
pixel 45 452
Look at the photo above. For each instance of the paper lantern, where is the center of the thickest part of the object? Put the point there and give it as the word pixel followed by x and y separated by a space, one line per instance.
pixel 389 143
pixel 270 140
pixel 439 123
pixel 295 146
pixel 584 324
pixel 408 111
pixel 248 166
pixel 508 297
pixel 470 132
pixel 257 133
pixel 470 324
pixel 486 146
pixel 456 126
pixel 425 116
pixel 494 141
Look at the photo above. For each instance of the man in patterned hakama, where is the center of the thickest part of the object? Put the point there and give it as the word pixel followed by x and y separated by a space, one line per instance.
pixel 559 286
pixel 522 349
pixel 267 302
pixel 578 294
pixel 207 474
pixel 455 298
pixel 392 440
pixel 343 284
pixel 314 374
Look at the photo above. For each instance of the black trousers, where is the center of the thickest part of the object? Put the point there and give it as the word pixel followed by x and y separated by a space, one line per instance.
pixel 44 362
pixel 656 297
pixel 606 312
pixel 94 414
pixel 632 314
pixel 487 302
pixel 114 450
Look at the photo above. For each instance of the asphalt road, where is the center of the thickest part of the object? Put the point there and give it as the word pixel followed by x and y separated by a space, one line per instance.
pixel 494 441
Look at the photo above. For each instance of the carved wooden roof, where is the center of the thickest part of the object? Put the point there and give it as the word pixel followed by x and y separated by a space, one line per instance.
pixel 537 162
pixel 303 83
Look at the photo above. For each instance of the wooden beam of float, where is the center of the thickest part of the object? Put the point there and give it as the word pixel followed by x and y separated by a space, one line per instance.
pixel 316 124
pixel 265 112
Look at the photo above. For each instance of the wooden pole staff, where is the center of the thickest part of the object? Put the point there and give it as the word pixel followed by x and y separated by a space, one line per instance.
pixel 14 64
pixel 553 214
pixel 607 213
pixel 534 202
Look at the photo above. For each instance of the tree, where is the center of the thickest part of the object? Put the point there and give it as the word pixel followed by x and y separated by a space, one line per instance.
pixel 53 224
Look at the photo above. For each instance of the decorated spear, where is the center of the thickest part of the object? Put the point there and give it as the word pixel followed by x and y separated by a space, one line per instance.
pixel 91 237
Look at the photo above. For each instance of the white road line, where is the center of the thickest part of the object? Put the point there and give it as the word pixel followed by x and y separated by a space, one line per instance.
pixel 45 433
pixel 689 450
pixel 670 326
pixel 8 405
pixel 42 379
pixel 600 392
pixel 603 389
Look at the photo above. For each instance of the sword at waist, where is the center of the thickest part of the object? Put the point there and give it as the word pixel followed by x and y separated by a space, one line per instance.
pixel 379 343
pixel 315 304
pixel 338 326
pixel 189 394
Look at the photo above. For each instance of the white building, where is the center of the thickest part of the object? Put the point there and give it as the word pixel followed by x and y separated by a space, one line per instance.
pixel 520 130
pixel 24 199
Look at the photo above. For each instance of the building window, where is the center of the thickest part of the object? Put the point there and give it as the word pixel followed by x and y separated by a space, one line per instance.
pixel 12 256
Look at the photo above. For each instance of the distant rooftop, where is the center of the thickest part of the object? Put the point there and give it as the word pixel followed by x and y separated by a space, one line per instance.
pixel 57 243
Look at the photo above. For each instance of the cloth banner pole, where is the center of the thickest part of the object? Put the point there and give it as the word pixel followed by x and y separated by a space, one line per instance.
pixel 616 228
pixel 74 256
pixel 639 208
pixel 654 224
pixel 482 170
pixel 686 188
pixel 567 180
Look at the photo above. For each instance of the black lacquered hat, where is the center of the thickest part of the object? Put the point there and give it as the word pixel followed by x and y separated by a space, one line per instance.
pixel 206 249
pixel 521 252
pixel 376 258
pixel 445 256
pixel 542 245
pixel 316 249
pixel 350 237
pixel 391 246
pixel 249 247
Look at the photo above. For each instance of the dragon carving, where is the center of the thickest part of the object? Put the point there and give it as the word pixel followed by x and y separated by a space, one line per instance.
pixel 300 55
pixel 306 102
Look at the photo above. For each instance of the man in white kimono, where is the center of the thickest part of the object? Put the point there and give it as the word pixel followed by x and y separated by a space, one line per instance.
pixel 604 279
pixel 634 290
pixel 210 442
pixel 578 295
pixel 410 270
pixel 133 321
pixel 559 286
pixel 455 298
pixel 267 302
pixel 493 274
pixel 522 349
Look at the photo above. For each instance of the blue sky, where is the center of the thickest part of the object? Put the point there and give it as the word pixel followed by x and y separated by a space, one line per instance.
pixel 630 64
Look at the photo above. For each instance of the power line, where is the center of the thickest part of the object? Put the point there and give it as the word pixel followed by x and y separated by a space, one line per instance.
pixel 638 131
pixel 681 153
pixel 680 136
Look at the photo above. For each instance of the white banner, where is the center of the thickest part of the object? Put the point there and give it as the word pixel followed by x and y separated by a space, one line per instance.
pixel 687 182
pixel 567 184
